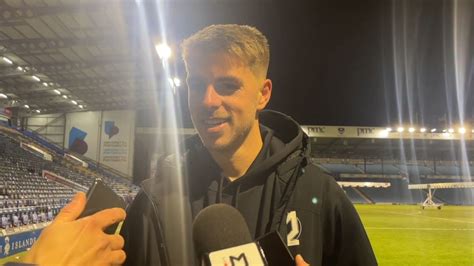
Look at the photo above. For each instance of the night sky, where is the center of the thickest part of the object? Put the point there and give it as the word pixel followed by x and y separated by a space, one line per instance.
pixel 338 62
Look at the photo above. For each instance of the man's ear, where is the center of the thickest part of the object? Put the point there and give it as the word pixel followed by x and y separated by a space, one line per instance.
pixel 265 94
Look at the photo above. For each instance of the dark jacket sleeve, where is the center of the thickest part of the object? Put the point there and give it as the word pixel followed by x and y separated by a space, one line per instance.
pixel 139 230
pixel 346 242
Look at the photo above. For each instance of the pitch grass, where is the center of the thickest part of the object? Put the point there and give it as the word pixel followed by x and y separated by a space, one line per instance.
pixel 15 258
pixel 408 235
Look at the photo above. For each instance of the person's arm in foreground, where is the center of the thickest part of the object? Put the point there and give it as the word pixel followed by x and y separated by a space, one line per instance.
pixel 68 241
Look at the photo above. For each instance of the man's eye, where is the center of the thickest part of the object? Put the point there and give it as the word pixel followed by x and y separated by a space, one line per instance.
pixel 227 86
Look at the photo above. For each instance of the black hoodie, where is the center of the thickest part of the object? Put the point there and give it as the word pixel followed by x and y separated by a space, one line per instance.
pixel 281 191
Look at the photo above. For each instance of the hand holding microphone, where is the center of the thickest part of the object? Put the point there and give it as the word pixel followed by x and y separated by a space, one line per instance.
pixel 221 237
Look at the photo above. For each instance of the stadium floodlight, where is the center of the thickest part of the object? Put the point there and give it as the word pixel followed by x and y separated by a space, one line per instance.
pixel 35 78
pixel 423 129
pixel 6 59
pixel 19 68
pixel 462 130
pixel 451 130
pixel 411 129
pixel 38 111
pixel 389 129
pixel 65 96
pixel 74 102
pixel 3 96
pixel 163 51
pixel 433 130
pixel 400 129
pixel 57 92
pixel 26 106
pixel 80 106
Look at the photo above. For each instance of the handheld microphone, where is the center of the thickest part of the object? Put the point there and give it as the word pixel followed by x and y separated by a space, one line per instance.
pixel 221 237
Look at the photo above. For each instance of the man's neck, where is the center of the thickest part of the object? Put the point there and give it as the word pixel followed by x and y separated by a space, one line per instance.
pixel 235 164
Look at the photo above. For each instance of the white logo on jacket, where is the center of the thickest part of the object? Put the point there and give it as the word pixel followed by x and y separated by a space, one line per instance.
pixel 292 238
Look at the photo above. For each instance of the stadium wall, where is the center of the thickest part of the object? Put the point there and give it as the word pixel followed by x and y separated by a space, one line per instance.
pixel 107 137
pixel 50 126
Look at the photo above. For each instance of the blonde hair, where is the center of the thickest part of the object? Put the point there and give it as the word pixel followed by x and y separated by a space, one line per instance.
pixel 244 42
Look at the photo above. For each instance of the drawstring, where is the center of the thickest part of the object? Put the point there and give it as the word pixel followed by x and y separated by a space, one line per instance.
pixel 219 190
pixel 235 202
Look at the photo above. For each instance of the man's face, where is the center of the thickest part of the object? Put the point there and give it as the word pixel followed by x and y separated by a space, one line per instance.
pixel 224 98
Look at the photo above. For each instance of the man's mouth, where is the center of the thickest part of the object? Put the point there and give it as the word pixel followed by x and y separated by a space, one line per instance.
pixel 214 121
pixel 214 125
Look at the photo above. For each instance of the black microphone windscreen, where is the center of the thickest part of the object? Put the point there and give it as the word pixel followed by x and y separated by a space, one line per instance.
pixel 219 226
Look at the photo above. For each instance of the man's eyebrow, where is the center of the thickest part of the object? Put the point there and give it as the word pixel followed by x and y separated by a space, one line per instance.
pixel 229 79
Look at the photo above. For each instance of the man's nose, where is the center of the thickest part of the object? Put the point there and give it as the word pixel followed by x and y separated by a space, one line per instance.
pixel 212 99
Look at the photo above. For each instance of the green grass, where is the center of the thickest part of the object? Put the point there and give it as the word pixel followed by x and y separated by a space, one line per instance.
pixel 408 235
pixel 15 258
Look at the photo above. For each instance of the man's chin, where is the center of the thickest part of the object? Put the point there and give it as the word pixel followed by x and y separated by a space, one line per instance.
pixel 215 146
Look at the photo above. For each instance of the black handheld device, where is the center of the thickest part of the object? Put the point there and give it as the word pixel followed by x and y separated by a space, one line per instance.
pixel 101 197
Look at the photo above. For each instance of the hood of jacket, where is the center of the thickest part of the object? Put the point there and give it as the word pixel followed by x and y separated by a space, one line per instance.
pixel 259 193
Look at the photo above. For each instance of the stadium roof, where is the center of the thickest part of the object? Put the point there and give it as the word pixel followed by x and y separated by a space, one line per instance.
pixel 82 50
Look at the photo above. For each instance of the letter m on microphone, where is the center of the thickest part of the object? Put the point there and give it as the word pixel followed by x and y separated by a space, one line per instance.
pixel 248 254
pixel 238 261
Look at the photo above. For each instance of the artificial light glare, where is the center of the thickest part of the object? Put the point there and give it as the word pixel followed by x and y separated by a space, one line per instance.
pixel 74 102
pixel 38 111
pixel 400 129
pixel 3 96
pixel 19 68
pixel 177 82
pixel 65 96
pixel 462 130
pixel 45 84
pixel 7 60
pixel 388 129
pixel 411 129
pixel 423 130
pixel 433 130
pixel 36 78
pixel 451 130
pixel 80 106
pixel 26 106
pixel 163 50
pixel 57 92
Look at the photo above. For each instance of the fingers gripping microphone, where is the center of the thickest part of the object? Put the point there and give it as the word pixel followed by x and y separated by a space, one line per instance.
pixel 221 237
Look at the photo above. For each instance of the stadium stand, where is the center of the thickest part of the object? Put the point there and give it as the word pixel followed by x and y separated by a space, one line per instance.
pixel 27 197
pixel 355 195
pixel 398 175
pixel 63 166
pixel 397 159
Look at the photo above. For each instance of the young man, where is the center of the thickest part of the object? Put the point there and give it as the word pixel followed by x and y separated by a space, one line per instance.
pixel 252 159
